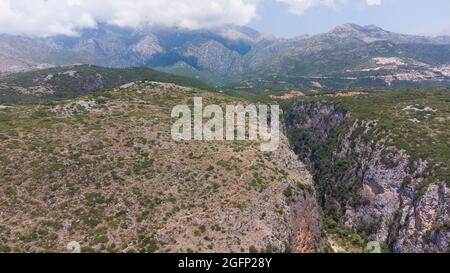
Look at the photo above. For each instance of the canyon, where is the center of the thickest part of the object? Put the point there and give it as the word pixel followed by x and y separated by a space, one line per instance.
pixel 366 183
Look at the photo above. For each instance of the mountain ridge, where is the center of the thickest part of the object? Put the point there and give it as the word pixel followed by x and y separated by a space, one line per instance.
pixel 230 54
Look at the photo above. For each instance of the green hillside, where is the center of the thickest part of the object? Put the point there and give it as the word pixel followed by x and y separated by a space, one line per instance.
pixel 73 81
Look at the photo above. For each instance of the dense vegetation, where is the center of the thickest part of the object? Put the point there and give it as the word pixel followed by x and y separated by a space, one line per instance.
pixel 423 132
pixel 332 191
pixel 87 79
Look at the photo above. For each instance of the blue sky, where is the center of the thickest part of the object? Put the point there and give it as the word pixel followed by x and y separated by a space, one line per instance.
pixel 405 16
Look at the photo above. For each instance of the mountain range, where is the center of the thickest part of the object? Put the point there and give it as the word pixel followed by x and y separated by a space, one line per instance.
pixel 349 56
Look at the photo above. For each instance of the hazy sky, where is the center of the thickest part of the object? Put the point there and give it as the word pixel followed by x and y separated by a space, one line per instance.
pixel 406 16
pixel 283 18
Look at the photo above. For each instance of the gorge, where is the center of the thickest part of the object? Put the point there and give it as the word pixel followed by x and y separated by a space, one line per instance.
pixel 365 183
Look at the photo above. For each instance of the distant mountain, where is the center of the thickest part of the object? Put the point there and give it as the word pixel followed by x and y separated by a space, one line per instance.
pixel 349 56
pixel 19 53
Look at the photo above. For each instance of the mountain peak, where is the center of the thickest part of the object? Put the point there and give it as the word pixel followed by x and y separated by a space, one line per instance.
pixel 349 27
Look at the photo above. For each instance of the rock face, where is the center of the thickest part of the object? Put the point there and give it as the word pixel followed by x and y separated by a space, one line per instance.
pixel 214 56
pixel 148 47
pixel 376 188
pixel 304 222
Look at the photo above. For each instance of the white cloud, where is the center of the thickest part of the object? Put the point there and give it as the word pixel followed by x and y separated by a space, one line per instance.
pixel 300 6
pixel 373 2
pixel 49 17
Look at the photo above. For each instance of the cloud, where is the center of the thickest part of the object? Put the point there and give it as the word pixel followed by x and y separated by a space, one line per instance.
pixel 373 2
pixel 49 17
pixel 301 6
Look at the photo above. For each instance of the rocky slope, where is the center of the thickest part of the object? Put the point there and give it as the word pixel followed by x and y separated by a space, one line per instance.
pixel 123 47
pixel 104 171
pixel 367 183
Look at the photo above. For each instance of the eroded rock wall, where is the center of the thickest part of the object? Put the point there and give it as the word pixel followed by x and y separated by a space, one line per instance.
pixel 374 187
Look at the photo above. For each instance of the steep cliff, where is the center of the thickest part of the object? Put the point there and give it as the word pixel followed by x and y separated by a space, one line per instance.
pixel 367 183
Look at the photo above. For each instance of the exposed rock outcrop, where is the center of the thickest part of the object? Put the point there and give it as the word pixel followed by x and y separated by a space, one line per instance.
pixel 374 187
